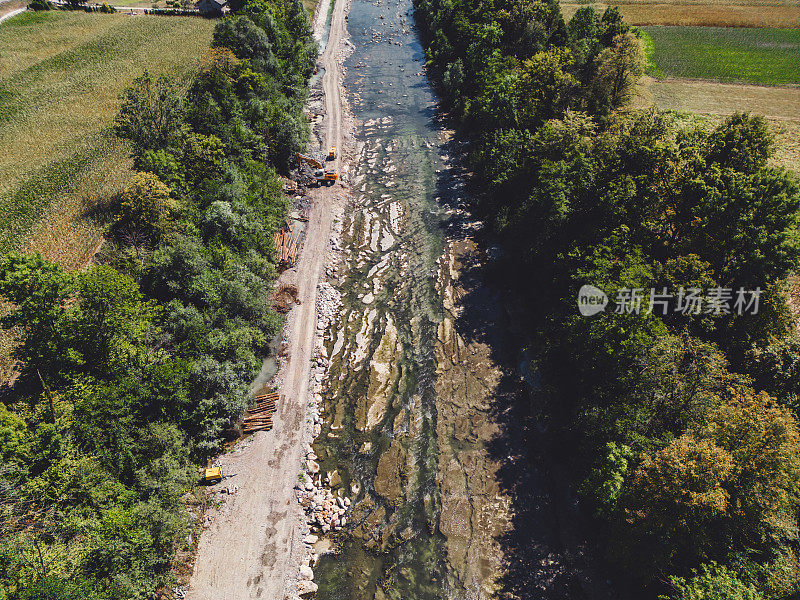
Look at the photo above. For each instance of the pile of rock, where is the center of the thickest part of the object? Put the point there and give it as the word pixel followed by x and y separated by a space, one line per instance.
pixel 324 510
pixel 328 301
pixel 305 583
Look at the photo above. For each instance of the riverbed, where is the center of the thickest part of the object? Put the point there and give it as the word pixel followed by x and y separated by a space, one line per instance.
pixel 408 397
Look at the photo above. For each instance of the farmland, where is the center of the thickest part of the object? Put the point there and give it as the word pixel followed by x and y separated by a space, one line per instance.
pixel 766 56
pixel 715 58
pixel 709 97
pixel 60 77
pixel 706 14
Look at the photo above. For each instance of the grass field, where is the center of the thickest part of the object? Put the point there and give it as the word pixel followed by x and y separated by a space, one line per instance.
pixel 748 55
pixel 707 15
pixel 710 97
pixel 61 74
pixel 709 103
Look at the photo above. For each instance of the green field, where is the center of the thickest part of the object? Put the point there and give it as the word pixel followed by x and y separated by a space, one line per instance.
pixel 767 56
pixel 61 74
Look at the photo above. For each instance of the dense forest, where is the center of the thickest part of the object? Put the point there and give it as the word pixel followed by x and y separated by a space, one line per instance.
pixel 675 411
pixel 132 369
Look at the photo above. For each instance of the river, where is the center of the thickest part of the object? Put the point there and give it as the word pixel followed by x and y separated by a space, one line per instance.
pixel 408 398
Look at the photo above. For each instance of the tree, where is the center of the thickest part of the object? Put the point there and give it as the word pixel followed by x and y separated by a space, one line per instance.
pixel 164 165
pixel 728 484
pixel 763 439
pixel 38 291
pixel 203 157
pixel 151 115
pixel 620 67
pixel 742 142
pixel 247 41
pixel 236 224
pixel 611 25
pixel 546 86
pixel 112 319
pixel 713 582
pixel 743 224
pixel 676 499
pixel 146 204
pixel 604 484
pixel 583 24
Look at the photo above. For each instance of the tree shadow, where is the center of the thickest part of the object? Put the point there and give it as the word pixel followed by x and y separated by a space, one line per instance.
pixel 546 548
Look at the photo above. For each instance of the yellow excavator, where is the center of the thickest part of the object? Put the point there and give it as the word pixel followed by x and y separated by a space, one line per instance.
pixel 321 175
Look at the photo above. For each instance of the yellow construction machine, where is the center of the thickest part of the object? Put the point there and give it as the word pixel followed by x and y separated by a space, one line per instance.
pixel 332 153
pixel 213 475
pixel 321 175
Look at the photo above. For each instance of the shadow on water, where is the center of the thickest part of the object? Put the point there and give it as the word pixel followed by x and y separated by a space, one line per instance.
pixel 547 556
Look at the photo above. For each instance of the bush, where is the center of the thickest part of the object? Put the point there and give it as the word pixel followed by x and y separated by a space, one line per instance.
pixel 40 5
pixel 713 582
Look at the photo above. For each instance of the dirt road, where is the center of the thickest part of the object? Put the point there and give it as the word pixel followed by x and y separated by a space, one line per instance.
pixel 247 550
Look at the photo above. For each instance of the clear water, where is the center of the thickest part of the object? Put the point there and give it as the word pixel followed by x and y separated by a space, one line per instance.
pixel 392 549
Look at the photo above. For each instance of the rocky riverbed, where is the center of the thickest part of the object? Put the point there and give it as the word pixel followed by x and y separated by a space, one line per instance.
pixel 401 491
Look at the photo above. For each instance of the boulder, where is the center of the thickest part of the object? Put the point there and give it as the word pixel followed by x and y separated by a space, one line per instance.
pixel 306 587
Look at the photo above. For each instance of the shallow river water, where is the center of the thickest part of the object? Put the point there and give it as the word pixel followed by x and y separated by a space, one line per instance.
pixel 398 438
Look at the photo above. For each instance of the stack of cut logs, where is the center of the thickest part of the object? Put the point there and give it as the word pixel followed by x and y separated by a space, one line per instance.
pixel 286 245
pixel 259 418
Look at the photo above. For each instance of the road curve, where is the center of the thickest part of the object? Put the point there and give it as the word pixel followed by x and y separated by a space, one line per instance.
pixel 13 13
pixel 247 551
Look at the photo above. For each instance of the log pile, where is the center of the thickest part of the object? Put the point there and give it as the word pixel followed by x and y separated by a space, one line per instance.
pixel 286 246
pixel 259 417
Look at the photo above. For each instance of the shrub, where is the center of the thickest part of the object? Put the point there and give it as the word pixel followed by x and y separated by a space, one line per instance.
pixel 40 5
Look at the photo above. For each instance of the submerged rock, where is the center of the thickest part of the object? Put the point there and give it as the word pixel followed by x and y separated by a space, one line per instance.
pixel 391 467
